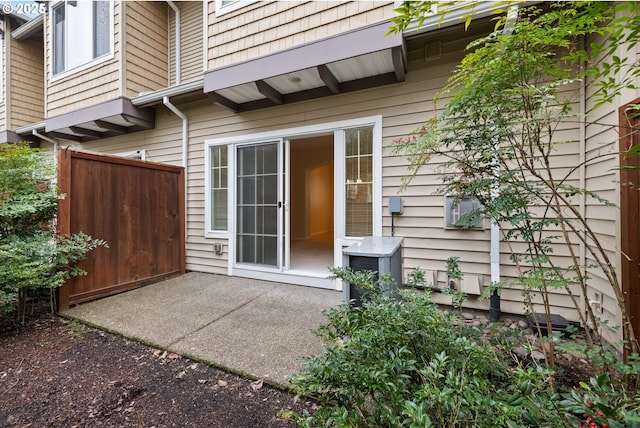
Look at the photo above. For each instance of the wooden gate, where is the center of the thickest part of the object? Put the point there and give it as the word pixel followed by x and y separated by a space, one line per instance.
pixel 136 206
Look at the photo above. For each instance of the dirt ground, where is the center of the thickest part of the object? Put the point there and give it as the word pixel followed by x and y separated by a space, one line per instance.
pixel 58 373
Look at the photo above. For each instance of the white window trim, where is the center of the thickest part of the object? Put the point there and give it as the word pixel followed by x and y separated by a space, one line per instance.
pixel 339 172
pixel 237 4
pixel 103 58
pixel 210 233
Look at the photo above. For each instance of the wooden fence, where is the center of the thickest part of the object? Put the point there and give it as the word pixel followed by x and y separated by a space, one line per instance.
pixel 136 206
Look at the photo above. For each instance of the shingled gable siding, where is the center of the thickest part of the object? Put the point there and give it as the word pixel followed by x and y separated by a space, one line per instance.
pixel 146 51
pixel 26 84
pixel 192 21
pixel 266 27
pixel 86 87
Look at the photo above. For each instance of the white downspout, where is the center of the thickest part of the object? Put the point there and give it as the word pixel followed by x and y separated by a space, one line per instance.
pixel 185 130
pixel 185 153
pixel 176 10
pixel 494 252
pixel 52 141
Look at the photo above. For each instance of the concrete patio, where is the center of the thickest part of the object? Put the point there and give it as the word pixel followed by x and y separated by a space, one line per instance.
pixel 256 328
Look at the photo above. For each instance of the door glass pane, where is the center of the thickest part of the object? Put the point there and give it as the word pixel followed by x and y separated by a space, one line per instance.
pixel 359 181
pixel 257 209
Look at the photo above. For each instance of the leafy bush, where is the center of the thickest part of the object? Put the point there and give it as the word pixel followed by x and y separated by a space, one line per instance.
pixel 32 255
pixel 402 362
pixel 604 402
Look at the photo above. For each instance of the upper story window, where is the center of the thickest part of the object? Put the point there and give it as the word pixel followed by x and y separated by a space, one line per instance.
pixel 81 33
pixel 226 6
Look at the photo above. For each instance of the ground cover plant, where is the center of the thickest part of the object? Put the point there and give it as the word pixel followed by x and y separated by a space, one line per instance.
pixel 402 362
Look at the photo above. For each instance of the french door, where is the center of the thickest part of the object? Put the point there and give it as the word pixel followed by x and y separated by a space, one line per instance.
pixel 260 205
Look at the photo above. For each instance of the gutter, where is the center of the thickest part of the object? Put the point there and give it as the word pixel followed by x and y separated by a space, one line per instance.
pixel 28 29
pixel 156 97
pixel 458 14
pixel 176 10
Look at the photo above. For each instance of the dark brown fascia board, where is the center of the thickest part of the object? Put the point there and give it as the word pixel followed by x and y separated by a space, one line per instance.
pixel 342 46
pixel 13 137
pixel 86 132
pixel 116 129
pixel 397 56
pixel 71 137
pixel 269 91
pixel 224 102
pixel 329 79
pixel 350 86
pixel 122 106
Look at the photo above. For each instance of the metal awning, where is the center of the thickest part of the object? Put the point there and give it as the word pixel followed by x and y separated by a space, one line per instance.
pixel 351 61
pixel 108 119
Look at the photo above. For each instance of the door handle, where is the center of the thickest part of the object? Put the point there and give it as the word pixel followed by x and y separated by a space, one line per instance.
pixel 279 204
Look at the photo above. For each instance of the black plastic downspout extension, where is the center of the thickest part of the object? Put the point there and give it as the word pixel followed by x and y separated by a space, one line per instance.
pixel 494 307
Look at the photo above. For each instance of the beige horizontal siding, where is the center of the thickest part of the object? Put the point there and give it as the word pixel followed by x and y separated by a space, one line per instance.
pixel 404 107
pixel 83 88
pixel 266 27
pixel 146 59
pixel 25 82
pixel 191 55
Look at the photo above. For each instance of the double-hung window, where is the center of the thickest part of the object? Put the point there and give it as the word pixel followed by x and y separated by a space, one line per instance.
pixel 81 33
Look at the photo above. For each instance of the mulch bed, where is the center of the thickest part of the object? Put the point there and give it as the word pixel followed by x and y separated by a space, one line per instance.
pixel 58 373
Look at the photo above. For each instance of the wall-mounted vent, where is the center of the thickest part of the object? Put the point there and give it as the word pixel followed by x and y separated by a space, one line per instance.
pixel 462 212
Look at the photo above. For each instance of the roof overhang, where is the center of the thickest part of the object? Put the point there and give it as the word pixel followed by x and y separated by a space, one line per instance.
pixel 13 137
pixel 108 119
pixel 359 59
pixel 32 28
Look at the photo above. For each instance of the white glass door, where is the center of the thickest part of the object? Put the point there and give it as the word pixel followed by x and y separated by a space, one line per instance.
pixel 260 230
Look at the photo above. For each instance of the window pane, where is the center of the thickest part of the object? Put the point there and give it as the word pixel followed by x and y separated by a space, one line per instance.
pixel 219 217
pixel 79 44
pixel 359 181
pixel 219 188
pixel 58 38
pixel 101 28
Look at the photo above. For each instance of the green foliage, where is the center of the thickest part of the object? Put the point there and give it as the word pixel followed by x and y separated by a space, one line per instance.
pixel 602 402
pixel 401 363
pixel 497 135
pixel 32 255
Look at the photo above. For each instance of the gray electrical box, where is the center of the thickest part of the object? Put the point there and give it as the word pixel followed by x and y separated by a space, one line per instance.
pixel 395 205
pixel 379 254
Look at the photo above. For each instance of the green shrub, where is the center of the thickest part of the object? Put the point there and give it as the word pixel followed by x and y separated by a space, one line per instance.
pixel 32 255
pixel 401 362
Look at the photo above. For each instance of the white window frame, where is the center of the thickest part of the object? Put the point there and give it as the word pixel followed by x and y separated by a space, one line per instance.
pixel 222 8
pixel 102 58
pixel 209 232
pixel 339 173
